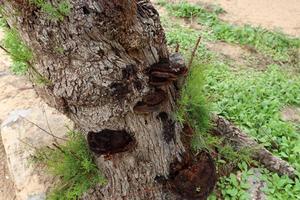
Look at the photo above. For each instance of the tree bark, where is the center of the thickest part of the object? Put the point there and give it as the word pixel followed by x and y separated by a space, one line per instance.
pixel 97 62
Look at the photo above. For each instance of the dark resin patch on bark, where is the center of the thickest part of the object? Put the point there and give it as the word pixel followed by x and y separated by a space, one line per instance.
pixel 110 141
pixel 138 85
pixel 129 72
pixel 119 90
pixel 168 127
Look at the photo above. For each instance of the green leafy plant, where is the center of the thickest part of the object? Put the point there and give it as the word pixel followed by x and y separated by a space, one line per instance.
pixel 55 11
pixel 21 56
pixel 192 102
pixel 280 187
pixel 18 50
pixel 72 162
pixel 253 100
pixel 235 187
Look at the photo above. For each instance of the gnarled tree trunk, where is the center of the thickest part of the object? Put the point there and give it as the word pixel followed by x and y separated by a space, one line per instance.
pixel 108 69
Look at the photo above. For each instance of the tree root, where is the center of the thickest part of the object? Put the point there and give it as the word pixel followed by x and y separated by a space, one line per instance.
pixel 239 139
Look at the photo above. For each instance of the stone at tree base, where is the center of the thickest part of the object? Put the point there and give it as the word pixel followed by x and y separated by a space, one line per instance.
pixel 256 186
pixel 291 113
pixel 31 182
pixel 7 190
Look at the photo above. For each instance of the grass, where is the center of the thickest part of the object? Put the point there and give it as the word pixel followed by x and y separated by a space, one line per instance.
pixel 73 163
pixel 21 55
pixel 275 44
pixel 18 50
pixel 186 37
pixel 193 103
pixel 250 98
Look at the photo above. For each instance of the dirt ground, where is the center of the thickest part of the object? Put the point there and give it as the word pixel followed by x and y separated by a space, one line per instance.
pixel 271 14
pixel 7 191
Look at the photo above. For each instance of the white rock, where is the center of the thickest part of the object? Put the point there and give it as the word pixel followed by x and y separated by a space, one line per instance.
pixel 19 138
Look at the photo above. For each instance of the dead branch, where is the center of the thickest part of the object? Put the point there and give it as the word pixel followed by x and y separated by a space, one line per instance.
pixel 239 140
pixel 194 52
pixel 177 48
pixel 45 131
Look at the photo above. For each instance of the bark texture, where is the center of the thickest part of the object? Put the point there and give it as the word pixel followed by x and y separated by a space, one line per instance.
pixel 97 61
pixel 239 140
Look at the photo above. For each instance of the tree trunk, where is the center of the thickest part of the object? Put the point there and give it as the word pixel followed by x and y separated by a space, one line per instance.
pixel 102 62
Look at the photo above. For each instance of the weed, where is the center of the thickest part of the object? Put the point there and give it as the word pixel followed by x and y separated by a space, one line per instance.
pixel 193 107
pixel 193 102
pixel 72 162
pixel 18 50
pixel 55 12
pixel 2 20
pixel 253 100
pixel 235 187
pixel 280 187
pixel 186 38
pixel 21 56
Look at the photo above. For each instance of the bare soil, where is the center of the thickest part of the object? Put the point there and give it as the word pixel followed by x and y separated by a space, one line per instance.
pixel 7 191
pixel 282 15
pixel 239 56
pixel 14 94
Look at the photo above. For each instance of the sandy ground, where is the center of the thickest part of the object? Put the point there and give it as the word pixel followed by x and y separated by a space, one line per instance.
pixel 7 191
pixel 271 14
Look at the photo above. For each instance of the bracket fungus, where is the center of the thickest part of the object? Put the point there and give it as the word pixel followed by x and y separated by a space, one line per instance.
pixel 193 178
pixel 110 141
pixel 143 108
pixel 156 81
pixel 167 70
pixel 151 102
